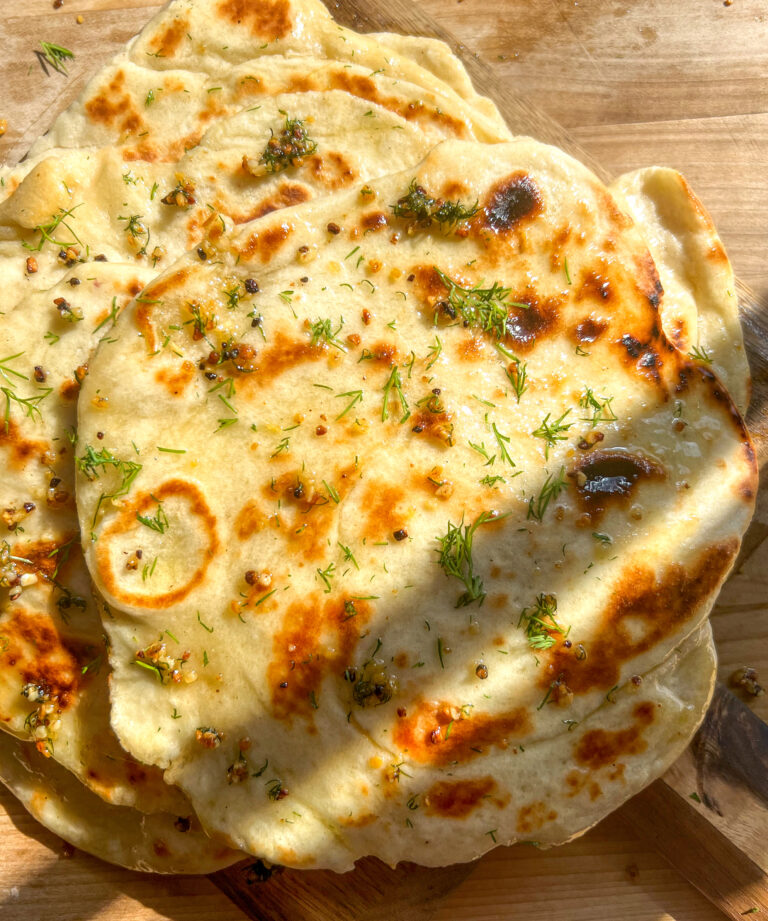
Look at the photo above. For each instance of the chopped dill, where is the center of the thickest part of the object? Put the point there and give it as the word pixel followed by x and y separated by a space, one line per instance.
pixel 456 557
pixel 552 432
pixel 416 205
pixel 93 463
pixel 55 55
pixel 476 307
pixel 357 396
pixel 47 230
pixel 434 352
pixel 700 354
pixel 323 331
pixel 326 575
pixel 30 405
pixel 137 230
pixel 540 623
pixel 394 383
pixel 551 489
pixel 599 407
pixel 158 522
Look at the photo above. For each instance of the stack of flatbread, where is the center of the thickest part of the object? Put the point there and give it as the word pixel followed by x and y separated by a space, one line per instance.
pixel 368 473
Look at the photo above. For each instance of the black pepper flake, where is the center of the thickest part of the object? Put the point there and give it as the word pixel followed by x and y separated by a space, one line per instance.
pixel 251 286
pixel 182 824
pixel 304 279
pixel 410 277
pixel 333 228
pixel 39 374
pixel 250 577
pixel 402 712
pixel 74 282
pixel 29 507
pixel 283 684
pixel 482 670
pixel 400 534
pixel 211 375
pixel 100 258
pixel 99 435
pixel 202 253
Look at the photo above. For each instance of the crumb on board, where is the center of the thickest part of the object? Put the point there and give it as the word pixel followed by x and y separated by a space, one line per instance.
pixel 745 679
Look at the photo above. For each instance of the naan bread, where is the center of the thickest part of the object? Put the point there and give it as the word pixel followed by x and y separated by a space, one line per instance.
pixel 53 660
pixel 433 502
pixel 157 843
pixel 117 212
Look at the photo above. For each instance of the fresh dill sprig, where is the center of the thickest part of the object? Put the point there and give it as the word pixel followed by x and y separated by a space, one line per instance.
pixel 326 575
pixel 136 229
pixel 158 522
pixel 456 557
pixel 552 432
pixel 540 623
pixel 600 407
pixel 434 353
pixel 30 405
pixel 289 148
pixel 5 371
pixel 476 307
pixel 483 452
pixel 47 230
pixel 396 384
pixel 349 556
pixel 323 331
pixel 492 480
pixel 516 371
pixel 200 324
pixel 111 316
pixel 55 55
pixel 502 441
pixel 283 446
pixel 225 424
pixel 700 354
pixel 551 489
pixel 93 463
pixel 417 205
pixel 357 396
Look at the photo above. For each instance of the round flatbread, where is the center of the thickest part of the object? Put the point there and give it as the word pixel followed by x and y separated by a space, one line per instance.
pixel 435 495
pixel 157 843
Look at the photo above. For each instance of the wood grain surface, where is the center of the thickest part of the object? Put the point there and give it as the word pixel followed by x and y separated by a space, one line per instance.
pixel 683 84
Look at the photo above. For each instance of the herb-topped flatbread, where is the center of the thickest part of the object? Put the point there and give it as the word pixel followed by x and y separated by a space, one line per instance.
pixel 433 508
pixel 160 843
pixel 84 231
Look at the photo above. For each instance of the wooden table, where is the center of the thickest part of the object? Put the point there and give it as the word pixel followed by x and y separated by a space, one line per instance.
pixel 681 83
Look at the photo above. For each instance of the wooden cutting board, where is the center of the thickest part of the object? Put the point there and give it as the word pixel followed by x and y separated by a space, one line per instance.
pixel 635 84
